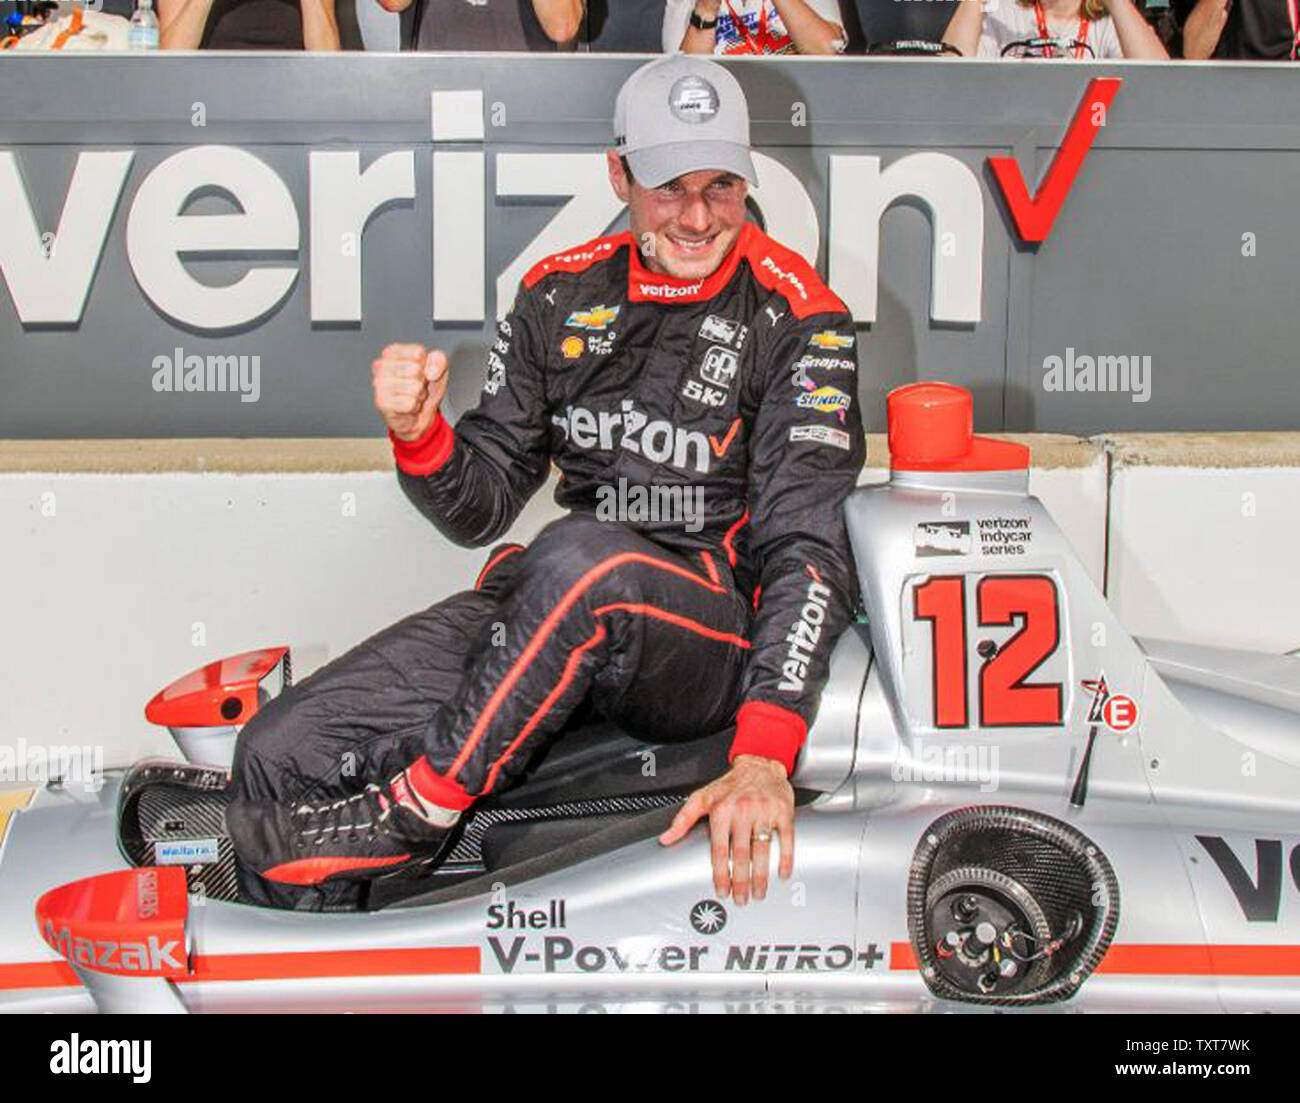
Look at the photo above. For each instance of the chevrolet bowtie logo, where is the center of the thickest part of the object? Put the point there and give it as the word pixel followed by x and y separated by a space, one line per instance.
pixel 598 317
pixel 829 339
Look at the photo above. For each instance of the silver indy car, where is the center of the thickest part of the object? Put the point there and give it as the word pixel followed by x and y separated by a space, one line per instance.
pixel 1006 802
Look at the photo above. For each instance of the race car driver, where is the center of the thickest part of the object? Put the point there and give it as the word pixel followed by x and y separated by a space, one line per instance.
pixel 692 362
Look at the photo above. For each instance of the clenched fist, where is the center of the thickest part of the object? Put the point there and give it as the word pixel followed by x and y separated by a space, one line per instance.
pixel 409 384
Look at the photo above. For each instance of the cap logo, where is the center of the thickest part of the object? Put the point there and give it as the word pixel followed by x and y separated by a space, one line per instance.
pixel 693 100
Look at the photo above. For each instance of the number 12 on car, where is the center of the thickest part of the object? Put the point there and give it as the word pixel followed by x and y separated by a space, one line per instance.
pixel 985 651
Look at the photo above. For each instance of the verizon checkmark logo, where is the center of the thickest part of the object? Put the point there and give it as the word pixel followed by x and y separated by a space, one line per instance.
pixel 720 446
pixel 1035 215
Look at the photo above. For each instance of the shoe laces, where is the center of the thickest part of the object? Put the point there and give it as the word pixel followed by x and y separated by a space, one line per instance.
pixel 364 812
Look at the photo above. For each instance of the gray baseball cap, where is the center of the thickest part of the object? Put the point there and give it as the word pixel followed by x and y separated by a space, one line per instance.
pixel 679 114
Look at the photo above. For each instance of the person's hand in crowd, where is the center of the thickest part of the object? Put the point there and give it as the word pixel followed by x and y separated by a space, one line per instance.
pixel 560 19
pixel 320 28
pixel 1204 27
pixel 1137 38
pixel 965 26
pixel 810 33
pixel 696 40
pixel 181 23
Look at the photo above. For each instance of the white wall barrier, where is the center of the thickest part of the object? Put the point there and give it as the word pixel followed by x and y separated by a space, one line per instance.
pixel 1205 537
pixel 127 563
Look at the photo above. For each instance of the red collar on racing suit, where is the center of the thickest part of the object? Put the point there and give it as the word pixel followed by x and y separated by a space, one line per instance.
pixel 658 287
pixel 774 266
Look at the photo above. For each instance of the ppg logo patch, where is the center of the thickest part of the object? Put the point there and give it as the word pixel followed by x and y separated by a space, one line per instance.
pixel 719 367
pixel 693 100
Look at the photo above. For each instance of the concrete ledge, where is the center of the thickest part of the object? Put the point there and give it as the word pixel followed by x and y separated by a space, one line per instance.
pixel 333 455
pixel 200 455
pixel 1055 451
pixel 1203 450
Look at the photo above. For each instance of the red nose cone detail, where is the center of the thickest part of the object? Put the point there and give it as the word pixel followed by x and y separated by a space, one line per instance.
pixel 221 693
pixel 931 428
pixel 131 922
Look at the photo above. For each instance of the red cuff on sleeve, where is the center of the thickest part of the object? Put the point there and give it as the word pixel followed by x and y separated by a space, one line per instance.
pixel 426 455
pixel 433 787
pixel 768 730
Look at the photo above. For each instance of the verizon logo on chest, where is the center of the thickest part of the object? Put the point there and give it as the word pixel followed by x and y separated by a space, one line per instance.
pixel 635 431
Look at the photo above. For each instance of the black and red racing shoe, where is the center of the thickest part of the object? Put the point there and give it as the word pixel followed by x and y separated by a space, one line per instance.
pixel 380 831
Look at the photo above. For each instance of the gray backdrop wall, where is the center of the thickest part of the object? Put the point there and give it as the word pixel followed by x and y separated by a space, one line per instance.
pixel 1177 241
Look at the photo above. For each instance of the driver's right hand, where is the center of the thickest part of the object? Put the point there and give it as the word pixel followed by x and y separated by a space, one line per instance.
pixel 409 384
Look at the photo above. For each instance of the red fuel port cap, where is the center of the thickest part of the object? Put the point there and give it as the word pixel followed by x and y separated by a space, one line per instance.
pixel 931 428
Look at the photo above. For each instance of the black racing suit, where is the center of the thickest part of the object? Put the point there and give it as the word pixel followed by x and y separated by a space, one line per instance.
pixel 706 435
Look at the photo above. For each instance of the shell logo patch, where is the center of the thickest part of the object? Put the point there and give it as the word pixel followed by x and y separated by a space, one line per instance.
pixel 598 317
pixel 829 339
pixel 572 347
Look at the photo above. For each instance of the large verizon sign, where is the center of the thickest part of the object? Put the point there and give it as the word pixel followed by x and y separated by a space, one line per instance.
pixel 49 274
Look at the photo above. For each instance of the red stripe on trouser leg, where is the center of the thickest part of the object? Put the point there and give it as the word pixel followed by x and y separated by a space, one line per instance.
pixel 312 871
pixel 557 691
pixel 727 541
pixel 553 618
pixel 571 667
pixel 674 618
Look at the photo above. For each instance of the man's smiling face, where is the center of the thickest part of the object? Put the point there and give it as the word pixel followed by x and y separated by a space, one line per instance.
pixel 684 228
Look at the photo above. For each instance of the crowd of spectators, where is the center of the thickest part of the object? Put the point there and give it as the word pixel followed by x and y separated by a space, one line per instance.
pixel 1013 29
